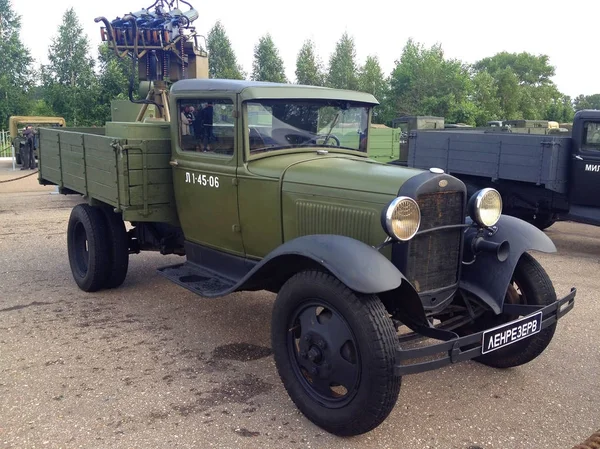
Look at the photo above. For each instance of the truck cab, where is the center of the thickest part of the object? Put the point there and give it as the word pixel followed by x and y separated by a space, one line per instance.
pixel 585 165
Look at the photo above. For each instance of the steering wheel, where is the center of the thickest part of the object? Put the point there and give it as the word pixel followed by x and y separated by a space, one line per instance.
pixel 322 137
pixel 286 136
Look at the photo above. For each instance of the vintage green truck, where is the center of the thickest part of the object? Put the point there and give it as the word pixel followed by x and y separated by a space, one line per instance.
pixel 365 258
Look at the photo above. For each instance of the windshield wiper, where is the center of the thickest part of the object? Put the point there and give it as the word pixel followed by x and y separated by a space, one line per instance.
pixel 335 120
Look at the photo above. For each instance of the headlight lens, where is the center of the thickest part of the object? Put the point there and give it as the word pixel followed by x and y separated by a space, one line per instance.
pixel 402 218
pixel 486 207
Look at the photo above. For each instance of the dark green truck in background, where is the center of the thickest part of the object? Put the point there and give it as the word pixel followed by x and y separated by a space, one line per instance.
pixel 270 197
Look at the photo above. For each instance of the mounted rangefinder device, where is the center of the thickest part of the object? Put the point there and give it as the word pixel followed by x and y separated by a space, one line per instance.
pixel 378 270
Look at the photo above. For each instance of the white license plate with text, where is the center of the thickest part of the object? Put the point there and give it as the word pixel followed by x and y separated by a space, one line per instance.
pixel 510 333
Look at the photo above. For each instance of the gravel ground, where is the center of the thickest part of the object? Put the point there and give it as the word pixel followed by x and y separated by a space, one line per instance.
pixel 151 365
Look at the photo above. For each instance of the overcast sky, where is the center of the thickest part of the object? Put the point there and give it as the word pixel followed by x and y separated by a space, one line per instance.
pixel 467 30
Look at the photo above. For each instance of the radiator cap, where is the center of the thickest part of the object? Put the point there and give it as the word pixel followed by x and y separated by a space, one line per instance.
pixel 436 170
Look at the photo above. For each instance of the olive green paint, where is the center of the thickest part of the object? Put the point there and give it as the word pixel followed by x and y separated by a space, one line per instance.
pixel 234 203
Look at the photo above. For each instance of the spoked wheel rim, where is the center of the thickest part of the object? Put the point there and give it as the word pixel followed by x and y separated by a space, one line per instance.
pixel 324 353
pixel 81 249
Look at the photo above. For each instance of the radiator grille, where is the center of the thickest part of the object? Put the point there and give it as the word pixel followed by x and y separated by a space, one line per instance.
pixel 433 258
pixel 316 218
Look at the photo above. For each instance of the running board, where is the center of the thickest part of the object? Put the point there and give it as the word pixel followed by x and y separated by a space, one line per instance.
pixel 198 279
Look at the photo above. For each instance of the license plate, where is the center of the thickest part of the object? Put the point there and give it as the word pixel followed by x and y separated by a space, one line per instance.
pixel 510 333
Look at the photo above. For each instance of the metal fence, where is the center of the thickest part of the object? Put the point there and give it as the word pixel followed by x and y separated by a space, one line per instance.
pixel 5 145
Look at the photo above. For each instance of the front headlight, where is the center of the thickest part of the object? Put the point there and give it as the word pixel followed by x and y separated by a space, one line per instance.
pixel 402 218
pixel 485 207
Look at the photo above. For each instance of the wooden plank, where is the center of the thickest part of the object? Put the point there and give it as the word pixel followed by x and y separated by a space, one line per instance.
pixel 152 160
pixel 51 174
pixel 157 194
pixel 103 192
pixel 160 213
pixel 152 146
pixel 73 182
pixel 155 176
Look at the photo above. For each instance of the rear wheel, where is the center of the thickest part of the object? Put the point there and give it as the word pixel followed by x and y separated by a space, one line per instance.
pixel 87 247
pixel 335 353
pixel 118 248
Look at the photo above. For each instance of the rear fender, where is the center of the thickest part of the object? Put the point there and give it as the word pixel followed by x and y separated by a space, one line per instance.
pixel 488 276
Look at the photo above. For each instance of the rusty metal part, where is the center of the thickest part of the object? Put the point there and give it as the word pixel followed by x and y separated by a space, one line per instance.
pixel 593 442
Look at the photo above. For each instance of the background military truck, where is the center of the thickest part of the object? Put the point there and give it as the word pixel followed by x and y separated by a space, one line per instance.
pixel 541 177
pixel 259 193
pixel 16 125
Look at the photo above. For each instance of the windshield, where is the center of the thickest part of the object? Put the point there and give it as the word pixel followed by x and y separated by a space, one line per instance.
pixel 283 124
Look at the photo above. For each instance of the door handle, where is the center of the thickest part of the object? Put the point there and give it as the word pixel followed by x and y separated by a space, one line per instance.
pixel 174 163
pixel 576 156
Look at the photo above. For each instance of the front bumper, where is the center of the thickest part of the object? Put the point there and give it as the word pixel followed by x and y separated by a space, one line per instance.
pixel 460 349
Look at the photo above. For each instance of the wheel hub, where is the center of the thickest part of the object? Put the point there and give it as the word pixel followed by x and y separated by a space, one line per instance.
pixel 325 353
pixel 315 355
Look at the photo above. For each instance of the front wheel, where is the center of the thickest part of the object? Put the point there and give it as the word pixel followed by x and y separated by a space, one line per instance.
pixel 530 285
pixel 335 353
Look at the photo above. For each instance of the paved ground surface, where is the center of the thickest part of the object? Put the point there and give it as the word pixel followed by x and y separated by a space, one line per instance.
pixel 150 365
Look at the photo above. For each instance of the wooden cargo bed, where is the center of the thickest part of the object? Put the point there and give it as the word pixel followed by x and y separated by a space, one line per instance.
pixel 125 165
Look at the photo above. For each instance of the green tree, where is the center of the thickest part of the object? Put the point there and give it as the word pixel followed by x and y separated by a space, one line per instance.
pixel 372 80
pixel 587 102
pixel 113 82
pixel 222 62
pixel 16 75
pixel 343 69
pixel 529 69
pixel 71 88
pixel 267 64
pixel 424 82
pixel 485 98
pixel 524 86
pixel 309 69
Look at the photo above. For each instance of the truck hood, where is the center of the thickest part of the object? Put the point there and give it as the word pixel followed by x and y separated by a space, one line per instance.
pixel 335 171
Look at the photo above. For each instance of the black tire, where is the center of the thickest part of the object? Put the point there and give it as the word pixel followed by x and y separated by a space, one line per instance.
pixel 543 221
pixel 118 243
pixel 360 353
pixel 536 289
pixel 87 247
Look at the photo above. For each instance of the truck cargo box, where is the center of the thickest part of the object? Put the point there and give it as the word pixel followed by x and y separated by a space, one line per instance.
pixel 125 165
pixel 538 159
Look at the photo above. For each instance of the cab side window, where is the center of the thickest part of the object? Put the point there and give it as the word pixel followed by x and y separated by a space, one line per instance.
pixel 207 125
pixel 592 135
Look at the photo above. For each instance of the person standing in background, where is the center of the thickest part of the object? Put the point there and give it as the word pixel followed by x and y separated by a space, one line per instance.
pixel 27 157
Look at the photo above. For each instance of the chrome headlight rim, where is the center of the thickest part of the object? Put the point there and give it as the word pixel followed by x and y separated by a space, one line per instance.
pixel 475 206
pixel 388 218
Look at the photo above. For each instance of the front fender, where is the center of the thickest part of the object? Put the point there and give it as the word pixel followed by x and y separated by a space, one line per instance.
pixel 360 266
pixel 488 277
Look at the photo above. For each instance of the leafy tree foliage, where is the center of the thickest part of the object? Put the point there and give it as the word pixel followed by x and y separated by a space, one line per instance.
pixel 16 75
pixel 587 102
pixel 222 62
pixel 267 65
pixel 343 69
pixel 372 80
pixel 424 82
pixel 71 87
pixel 113 82
pixel 524 86
pixel 309 69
